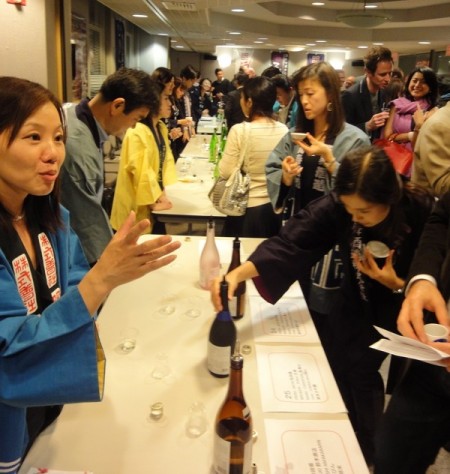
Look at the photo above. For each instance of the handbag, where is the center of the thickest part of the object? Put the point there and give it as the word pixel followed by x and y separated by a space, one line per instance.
pixel 230 195
pixel 401 157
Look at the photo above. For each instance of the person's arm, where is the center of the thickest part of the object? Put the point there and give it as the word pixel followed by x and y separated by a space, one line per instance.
pixel 231 154
pixel 276 188
pixel 422 295
pixel 434 151
pixel 425 270
pixel 389 127
pixel 244 272
pixel 124 260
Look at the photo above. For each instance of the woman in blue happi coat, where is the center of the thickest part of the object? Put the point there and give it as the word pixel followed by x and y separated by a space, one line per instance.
pixel 49 349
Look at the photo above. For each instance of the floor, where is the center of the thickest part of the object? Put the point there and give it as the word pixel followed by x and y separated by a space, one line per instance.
pixel 442 464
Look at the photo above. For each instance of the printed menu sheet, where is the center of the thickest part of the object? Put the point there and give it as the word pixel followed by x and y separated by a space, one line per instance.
pixel 296 379
pixel 313 447
pixel 406 347
pixel 287 321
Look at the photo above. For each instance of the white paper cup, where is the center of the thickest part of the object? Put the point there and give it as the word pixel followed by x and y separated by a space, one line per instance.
pixel 379 251
pixel 436 332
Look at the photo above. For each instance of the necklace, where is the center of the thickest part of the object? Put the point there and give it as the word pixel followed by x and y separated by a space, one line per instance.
pixel 18 218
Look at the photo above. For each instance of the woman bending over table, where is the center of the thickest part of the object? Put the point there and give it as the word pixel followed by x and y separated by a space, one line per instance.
pixel 369 202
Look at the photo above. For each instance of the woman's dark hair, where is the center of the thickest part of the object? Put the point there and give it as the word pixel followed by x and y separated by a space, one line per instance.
pixel 369 173
pixel 263 93
pixel 328 78
pixel 19 99
pixel 431 81
pixel 162 75
pixel 203 80
pixel 189 72
pixel 154 109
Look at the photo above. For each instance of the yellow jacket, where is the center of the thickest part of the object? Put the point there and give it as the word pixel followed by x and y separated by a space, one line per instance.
pixel 137 180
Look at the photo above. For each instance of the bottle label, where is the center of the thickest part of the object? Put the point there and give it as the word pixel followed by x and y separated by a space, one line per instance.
pixel 233 306
pixel 222 454
pixel 218 359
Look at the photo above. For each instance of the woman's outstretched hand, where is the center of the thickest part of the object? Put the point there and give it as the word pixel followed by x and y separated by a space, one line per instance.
pixel 124 260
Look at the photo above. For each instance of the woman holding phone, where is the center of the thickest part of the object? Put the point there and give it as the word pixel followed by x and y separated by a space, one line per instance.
pixel 299 171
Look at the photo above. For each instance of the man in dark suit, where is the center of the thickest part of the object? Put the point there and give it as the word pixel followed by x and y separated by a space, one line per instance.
pixel 417 421
pixel 233 110
pixel 221 86
pixel 363 102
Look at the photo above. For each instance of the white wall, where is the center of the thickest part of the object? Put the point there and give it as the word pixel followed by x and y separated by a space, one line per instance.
pixel 153 51
pixel 23 48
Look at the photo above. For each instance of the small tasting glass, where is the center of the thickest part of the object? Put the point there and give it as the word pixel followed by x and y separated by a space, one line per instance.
pixel 197 423
pixel 128 340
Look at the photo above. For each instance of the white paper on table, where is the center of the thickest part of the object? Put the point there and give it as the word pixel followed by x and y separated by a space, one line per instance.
pixel 286 321
pixel 406 347
pixel 313 447
pixel 37 470
pixel 296 379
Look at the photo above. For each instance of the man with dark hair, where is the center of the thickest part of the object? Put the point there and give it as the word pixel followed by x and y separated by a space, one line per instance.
pixel 221 86
pixel 364 102
pixel 286 105
pixel 125 97
pixel 188 77
pixel 233 109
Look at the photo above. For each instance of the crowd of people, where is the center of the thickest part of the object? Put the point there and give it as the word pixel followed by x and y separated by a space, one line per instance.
pixel 317 198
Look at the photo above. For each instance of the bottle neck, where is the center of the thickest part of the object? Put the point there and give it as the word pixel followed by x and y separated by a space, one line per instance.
pixel 235 384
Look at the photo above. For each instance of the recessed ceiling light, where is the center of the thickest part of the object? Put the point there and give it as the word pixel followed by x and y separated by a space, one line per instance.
pixel 306 17
pixel 310 44
pixel 263 38
pixel 378 44
pixel 370 6
pixel 234 33
pixel 173 41
pixel 258 42
pixel 362 47
pixel 424 42
pixel 163 34
pixel 318 4
pixel 237 10
pixel 139 15
pixel 320 41
pixel 179 46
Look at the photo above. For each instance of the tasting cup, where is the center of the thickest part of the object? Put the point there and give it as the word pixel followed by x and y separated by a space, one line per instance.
pixel 379 251
pixel 128 340
pixel 197 422
pixel 436 332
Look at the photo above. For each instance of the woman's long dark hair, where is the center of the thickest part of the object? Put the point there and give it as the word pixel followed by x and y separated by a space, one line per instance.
pixel 19 99
pixel 368 172
pixel 328 78
pixel 431 81
pixel 263 93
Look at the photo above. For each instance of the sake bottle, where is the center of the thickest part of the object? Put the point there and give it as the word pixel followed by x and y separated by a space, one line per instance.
pixel 213 147
pixel 222 338
pixel 209 258
pixel 233 427
pixel 237 304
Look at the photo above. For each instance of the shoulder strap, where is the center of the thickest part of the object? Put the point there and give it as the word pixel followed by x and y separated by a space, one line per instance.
pixel 244 142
